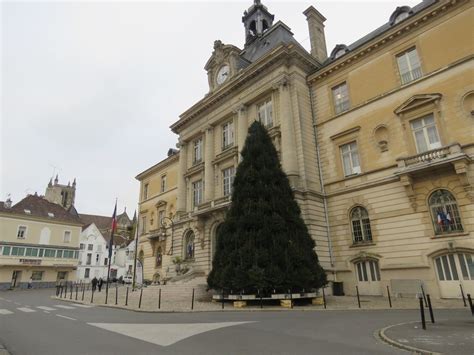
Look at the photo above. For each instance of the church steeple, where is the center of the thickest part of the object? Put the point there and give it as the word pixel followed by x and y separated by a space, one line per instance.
pixel 257 20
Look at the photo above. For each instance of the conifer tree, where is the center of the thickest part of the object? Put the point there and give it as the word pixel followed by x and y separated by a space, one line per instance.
pixel 263 243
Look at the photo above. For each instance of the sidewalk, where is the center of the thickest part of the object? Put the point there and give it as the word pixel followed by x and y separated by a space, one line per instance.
pixel 453 336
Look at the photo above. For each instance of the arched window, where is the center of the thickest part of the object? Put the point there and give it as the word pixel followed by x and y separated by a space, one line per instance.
pixel 214 239
pixel 444 212
pixel 360 222
pixel 189 245
pixel 368 270
pixel 159 257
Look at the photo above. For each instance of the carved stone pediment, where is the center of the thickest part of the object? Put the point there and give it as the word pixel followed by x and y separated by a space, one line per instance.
pixel 223 54
pixel 161 203
pixel 417 101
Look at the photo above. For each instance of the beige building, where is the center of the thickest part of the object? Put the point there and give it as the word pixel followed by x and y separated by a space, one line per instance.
pixel 39 242
pixel 377 141
pixel 157 210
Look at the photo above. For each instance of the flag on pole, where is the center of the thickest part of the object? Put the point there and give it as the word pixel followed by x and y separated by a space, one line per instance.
pixel 114 226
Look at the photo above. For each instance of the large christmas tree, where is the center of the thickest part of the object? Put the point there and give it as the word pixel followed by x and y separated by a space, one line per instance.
pixel 263 243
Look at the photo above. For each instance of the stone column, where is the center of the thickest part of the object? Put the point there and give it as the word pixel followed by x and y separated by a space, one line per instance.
pixel 208 167
pixel 181 205
pixel 288 140
pixel 242 127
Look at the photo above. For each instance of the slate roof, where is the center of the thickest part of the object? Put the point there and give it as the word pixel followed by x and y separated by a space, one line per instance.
pixel 101 222
pixel 39 207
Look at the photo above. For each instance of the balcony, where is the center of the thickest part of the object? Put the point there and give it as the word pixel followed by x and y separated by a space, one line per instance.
pixel 431 159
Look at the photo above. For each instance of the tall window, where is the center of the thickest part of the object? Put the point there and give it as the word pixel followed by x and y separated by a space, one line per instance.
pixel 409 66
pixel 425 133
pixel 67 236
pixel 89 259
pixel 189 245
pixel 145 191
pixel 163 183
pixel 350 159
pixel 90 246
pixel 159 257
pixel 161 215
pixel 228 179
pixel 444 212
pixel 360 222
pixel 368 271
pixel 87 272
pixel 453 266
pixel 265 113
pixel 197 193
pixel 143 225
pixel 340 96
pixel 197 151
pixel 227 135
pixel 21 234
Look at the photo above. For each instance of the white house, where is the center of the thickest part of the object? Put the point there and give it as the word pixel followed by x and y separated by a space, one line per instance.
pixel 93 255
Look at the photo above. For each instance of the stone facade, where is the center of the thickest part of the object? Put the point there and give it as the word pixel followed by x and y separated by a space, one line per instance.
pixel 376 140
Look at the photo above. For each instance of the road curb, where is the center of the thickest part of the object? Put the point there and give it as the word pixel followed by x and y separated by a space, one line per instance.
pixel 3 351
pixel 385 338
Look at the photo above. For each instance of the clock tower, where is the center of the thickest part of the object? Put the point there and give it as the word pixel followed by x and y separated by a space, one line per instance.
pixel 257 20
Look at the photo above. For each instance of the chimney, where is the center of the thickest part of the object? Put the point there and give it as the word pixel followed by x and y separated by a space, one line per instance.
pixel 8 203
pixel 316 33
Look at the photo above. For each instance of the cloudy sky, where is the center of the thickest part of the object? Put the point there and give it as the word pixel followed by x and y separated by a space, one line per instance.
pixel 89 89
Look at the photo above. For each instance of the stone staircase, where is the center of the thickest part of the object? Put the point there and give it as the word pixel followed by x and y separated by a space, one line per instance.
pixel 181 289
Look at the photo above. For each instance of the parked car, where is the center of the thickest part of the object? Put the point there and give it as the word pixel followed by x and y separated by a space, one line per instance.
pixel 128 279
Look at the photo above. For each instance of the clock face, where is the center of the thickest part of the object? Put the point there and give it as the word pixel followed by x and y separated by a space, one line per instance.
pixel 223 74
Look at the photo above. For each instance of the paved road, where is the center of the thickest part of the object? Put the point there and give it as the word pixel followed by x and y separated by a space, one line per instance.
pixel 33 323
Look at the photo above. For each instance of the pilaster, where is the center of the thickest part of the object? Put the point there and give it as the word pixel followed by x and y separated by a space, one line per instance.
pixel 181 204
pixel 208 167
pixel 242 127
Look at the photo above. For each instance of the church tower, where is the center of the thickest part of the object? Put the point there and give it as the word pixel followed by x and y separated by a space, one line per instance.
pixel 63 195
pixel 257 20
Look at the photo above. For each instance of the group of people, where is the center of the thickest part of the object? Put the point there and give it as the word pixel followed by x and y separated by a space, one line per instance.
pixel 97 283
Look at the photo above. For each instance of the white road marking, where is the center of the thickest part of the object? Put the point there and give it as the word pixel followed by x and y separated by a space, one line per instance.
pixel 64 307
pixel 163 334
pixel 59 315
pixel 9 300
pixel 5 311
pixel 46 312
pixel 44 308
pixel 82 305
pixel 26 310
pixel 17 303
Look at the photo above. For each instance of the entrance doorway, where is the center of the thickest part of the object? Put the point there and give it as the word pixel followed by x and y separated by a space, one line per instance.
pixel 454 271
pixel 368 277
pixel 16 279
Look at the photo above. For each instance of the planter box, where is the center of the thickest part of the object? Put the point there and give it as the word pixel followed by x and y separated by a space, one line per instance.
pixel 318 301
pixel 240 304
pixel 286 303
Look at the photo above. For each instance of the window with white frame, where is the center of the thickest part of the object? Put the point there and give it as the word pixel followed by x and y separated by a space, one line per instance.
pixel 444 212
pixel 163 183
pixel 87 272
pixel 21 233
pixel 197 151
pixel 228 180
pixel 368 271
pixel 360 222
pixel 90 246
pixel 197 193
pixel 409 66
pixel 67 237
pixel 425 133
pixel 227 135
pixel 350 159
pixel 340 95
pixel 265 113
pixel 89 259
pixel 145 191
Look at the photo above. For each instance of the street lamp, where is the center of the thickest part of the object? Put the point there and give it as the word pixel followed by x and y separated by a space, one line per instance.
pixel 166 223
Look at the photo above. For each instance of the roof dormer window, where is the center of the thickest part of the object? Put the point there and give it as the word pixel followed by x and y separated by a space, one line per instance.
pixel 400 14
pixel 401 17
pixel 339 51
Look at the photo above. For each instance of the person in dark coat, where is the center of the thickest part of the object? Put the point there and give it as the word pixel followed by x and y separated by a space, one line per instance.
pixel 100 283
pixel 94 283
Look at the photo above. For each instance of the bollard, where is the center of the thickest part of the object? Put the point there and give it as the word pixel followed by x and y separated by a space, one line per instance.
pixel 70 297
pixel 470 303
pixel 389 298
pixel 291 298
pixel 60 291
pixel 83 290
pixel 92 297
pixel 324 299
pixel 116 294
pixel 462 294
pixel 65 290
pixel 159 298
pixel 261 299
pixel 422 312
pixel 106 293
pixel 126 297
pixel 140 300
pixel 192 301
pixel 222 299
pixel 430 308
pixel 424 295
pixel 358 297
pixel 77 290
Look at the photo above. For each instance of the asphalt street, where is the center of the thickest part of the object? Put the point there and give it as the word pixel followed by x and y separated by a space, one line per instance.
pixel 33 323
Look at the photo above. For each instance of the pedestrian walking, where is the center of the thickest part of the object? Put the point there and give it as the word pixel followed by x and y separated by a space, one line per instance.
pixel 30 282
pixel 100 283
pixel 94 284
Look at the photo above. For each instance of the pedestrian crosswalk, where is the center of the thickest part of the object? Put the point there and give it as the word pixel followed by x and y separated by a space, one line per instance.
pixel 46 309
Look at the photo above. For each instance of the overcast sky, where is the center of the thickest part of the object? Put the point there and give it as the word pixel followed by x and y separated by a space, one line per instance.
pixel 89 89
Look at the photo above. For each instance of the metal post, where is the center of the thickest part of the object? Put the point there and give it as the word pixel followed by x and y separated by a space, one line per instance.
pixel 389 298
pixel 159 298
pixel 430 308
pixel 222 299
pixel 92 297
pixel 140 301
pixel 70 296
pixel 77 290
pixel 358 297
pixel 83 290
pixel 324 299
pixel 462 294
pixel 126 297
pixel 470 303
pixel 261 299
pixel 422 312
pixel 192 301
pixel 65 290
pixel 116 294
pixel 60 291
pixel 291 298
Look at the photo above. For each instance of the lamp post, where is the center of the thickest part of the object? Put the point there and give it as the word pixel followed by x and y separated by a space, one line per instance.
pixel 166 223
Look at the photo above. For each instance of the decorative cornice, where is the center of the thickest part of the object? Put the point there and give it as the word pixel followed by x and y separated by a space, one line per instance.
pixel 160 165
pixel 345 133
